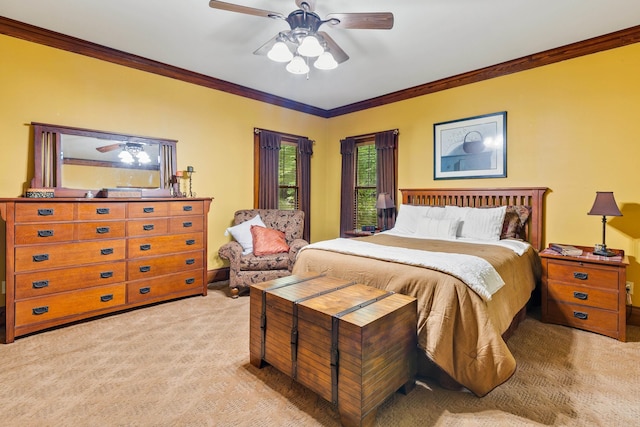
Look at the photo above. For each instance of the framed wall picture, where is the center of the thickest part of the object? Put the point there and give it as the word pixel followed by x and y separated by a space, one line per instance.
pixel 475 147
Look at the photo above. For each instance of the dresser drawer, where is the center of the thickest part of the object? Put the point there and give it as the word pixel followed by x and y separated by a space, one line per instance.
pixel 44 212
pixel 583 295
pixel 148 210
pixel 68 303
pixel 186 224
pixel 147 227
pixel 187 207
pixel 159 288
pixel 157 266
pixel 29 285
pixel 163 245
pixel 101 211
pixel 578 316
pixel 583 274
pixel 101 230
pixel 27 234
pixel 42 257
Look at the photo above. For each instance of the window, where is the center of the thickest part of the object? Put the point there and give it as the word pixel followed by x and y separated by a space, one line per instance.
pixel 365 212
pixel 288 177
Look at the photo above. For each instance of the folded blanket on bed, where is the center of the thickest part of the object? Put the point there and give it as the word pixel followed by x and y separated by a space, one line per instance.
pixel 477 273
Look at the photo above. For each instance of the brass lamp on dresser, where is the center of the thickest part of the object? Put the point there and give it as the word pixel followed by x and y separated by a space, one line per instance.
pixel 71 259
pixel 586 291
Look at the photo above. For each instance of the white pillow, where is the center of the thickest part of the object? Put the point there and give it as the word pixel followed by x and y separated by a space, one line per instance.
pixel 410 215
pixel 431 228
pixel 242 233
pixel 478 223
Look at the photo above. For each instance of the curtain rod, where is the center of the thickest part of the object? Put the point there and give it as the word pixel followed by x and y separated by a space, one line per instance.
pixel 371 135
pixel 285 135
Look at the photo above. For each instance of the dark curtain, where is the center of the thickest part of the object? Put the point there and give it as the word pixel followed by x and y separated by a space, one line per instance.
pixel 347 187
pixel 386 150
pixel 269 156
pixel 305 150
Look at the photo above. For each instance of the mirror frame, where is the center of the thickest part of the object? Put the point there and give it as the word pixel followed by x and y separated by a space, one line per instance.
pixel 48 160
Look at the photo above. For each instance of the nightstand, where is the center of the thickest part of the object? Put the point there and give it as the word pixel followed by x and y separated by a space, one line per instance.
pixel 586 292
pixel 359 233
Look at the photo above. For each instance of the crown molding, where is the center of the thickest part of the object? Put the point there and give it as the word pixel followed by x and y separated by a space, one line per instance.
pixel 39 35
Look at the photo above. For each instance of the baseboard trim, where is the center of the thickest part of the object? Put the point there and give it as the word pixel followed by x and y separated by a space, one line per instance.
pixel 634 316
pixel 218 275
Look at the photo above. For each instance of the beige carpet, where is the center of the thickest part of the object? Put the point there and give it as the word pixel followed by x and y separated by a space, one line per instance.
pixel 186 363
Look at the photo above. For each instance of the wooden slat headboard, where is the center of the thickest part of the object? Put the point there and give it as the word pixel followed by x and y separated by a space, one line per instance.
pixel 485 197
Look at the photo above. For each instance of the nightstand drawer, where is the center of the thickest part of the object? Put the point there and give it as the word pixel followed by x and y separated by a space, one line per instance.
pixel 588 318
pixel 583 274
pixel 583 295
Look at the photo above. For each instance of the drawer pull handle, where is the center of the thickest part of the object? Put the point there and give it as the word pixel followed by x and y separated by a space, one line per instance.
pixel 187 208
pixel 187 224
pixel 106 274
pixel 40 284
pixel 580 315
pixel 45 233
pixel 145 247
pixel 191 242
pixel 41 257
pixel 190 281
pixel 102 211
pixel 145 268
pixel 102 230
pixel 581 295
pixel 145 290
pixel 40 310
pixel 190 261
pixel 147 227
pixel 106 298
pixel 106 251
pixel 45 212
pixel 581 276
pixel 147 210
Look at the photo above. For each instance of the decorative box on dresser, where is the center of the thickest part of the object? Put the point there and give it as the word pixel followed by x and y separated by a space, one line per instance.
pixel 70 259
pixel 586 291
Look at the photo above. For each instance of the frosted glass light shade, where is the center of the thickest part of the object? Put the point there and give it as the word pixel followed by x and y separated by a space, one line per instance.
pixel 310 47
pixel 297 66
pixel 325 62
pixel 280 53
pixel 125 157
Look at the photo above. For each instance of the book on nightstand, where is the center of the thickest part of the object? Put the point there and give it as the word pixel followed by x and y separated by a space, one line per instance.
pixel 567 250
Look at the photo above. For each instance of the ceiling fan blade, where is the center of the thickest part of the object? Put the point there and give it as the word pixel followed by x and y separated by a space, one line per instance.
pixel 310 5
pixel 338 54
pixel 371 21
pixel 244 9
pixel 107 148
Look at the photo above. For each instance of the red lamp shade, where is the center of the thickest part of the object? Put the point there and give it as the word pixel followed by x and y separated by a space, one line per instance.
pixel 605 205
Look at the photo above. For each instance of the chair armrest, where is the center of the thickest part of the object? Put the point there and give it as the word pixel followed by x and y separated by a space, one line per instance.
pixel 294 247
pixel 231 251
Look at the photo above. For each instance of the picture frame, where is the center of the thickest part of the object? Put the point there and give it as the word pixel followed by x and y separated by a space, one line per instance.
pixel 474 147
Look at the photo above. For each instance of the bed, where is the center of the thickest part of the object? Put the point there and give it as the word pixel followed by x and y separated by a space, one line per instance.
pixel 464 315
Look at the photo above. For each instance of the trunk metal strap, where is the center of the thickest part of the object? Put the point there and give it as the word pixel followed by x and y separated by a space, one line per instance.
pixel 335 334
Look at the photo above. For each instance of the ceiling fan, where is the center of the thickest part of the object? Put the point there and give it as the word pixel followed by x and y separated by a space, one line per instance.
pixel 303 40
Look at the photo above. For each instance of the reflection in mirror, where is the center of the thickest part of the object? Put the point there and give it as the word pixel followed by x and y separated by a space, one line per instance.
pixel 74 161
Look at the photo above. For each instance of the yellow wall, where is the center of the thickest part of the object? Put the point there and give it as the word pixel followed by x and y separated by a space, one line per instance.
pixel 570 128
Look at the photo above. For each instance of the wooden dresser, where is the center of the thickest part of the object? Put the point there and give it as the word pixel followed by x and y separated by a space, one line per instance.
pixel 72 259
pixel 585 292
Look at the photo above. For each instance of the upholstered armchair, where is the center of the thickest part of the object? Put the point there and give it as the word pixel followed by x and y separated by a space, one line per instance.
pixel 248 268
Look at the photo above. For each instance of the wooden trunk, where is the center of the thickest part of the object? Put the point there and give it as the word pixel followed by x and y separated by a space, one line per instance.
pixel 352 344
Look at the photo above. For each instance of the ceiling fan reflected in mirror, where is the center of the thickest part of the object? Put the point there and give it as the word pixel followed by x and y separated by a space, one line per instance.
pixel 131 152
pixel 303 41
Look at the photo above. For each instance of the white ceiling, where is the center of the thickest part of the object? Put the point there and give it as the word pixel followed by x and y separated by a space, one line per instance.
pixel 431 39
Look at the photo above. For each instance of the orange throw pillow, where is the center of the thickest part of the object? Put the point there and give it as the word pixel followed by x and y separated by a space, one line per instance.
pixel 267 241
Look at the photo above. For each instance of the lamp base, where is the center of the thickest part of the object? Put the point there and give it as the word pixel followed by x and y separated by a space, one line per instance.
pixel 604 252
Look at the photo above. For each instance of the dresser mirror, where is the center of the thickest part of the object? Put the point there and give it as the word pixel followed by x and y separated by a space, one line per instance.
pixel 76 161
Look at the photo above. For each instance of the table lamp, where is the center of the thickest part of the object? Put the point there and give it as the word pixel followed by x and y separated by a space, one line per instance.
pixel 605 205
pixel 384 202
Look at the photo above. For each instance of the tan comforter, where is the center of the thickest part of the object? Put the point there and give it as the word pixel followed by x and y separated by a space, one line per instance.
pixel 457 330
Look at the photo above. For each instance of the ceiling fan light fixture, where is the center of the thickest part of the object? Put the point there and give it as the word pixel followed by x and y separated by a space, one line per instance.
pixel 297 66
pixel 325 61
pixel 310 47
pixel 280 53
